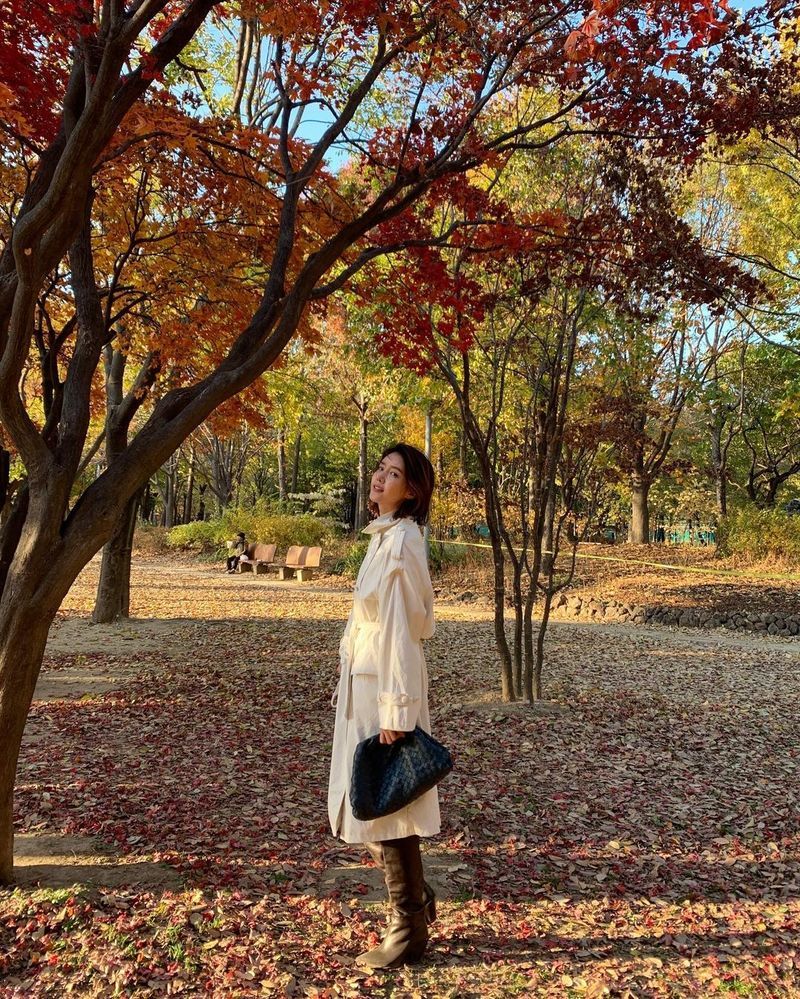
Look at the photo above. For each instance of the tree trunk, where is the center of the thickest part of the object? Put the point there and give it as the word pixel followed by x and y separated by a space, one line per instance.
pixel 506 669
pixel 530 666
pixel 426 531
pixel 11 531
pixel 296 462
pixel 462 456
pixel 5 478
pixel 548 534
pixel 771 491
pixel 189 498
pixel 640 512
pixel 148 504
pixel 539 664
pixel 362 491
pixel 518 627
pixel 722 495
pixel 718 465
pixel 222 453
pixel 170 492
pixel 493 512
pixel 114 589
pixel 282 465
pixel 34 590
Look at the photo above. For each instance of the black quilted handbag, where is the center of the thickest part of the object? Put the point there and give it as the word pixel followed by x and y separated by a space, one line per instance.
pixel 386 778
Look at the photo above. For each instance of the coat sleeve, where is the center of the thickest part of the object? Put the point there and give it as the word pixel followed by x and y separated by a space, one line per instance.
pixel 403 618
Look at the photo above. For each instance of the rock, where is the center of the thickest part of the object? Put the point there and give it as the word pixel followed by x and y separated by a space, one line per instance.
pixel 772 629
pixel 793 627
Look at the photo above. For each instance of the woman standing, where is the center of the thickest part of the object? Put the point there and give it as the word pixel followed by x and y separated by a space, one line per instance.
pixel 383 687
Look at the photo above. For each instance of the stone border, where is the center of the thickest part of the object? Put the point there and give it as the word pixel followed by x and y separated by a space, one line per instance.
pixel 594 609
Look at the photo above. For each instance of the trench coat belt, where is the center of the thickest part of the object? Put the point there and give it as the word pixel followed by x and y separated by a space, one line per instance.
pixel 356 628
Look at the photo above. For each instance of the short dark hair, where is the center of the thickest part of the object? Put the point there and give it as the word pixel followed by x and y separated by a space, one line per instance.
pixel 420 479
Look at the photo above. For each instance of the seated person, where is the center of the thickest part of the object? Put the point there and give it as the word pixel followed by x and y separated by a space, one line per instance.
pixel 239 549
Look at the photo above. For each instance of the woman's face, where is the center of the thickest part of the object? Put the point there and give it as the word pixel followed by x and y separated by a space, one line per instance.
pixel 389 486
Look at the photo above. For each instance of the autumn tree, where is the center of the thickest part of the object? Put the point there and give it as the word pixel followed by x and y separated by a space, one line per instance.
pixel 677 316
pixel 771 422
pixel 82 86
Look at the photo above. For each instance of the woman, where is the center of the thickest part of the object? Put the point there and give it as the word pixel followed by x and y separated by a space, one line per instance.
pixel 239 549
pixel 383 687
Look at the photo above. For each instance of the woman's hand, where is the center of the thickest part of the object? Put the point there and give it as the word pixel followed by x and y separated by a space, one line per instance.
pixel 388 736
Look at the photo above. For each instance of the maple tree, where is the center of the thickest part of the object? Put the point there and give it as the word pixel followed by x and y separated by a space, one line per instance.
pixel 588 273
pixel 650 375
pixel 84 86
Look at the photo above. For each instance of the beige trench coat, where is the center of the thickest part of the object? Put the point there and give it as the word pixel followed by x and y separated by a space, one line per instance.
pixel 383 682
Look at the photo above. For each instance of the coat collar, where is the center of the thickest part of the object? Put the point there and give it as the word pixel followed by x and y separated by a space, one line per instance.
pixel 382 523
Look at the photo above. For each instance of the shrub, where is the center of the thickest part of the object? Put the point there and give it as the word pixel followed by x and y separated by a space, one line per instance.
pixel 351 563
pixel 282 530
pixel 759 535
pixel 199 535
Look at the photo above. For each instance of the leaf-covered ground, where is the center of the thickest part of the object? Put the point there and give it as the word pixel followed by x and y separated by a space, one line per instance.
pixel 638 837
pixel 684 576
pixel 699 577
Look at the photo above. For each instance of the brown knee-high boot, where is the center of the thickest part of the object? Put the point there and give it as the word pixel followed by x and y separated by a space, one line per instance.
pixel 376 852
pixel 407 935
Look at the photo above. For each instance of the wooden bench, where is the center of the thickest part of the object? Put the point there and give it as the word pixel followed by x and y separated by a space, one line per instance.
pixel 257 558
pixel 300 562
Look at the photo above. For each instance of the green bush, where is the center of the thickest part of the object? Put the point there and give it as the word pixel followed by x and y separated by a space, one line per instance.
pixel 351 563
pixel 760 535
pixel 199 535
pixel 282 530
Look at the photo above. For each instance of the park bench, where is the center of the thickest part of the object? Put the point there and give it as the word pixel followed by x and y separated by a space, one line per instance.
pixel 300 562
pixel 257 558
